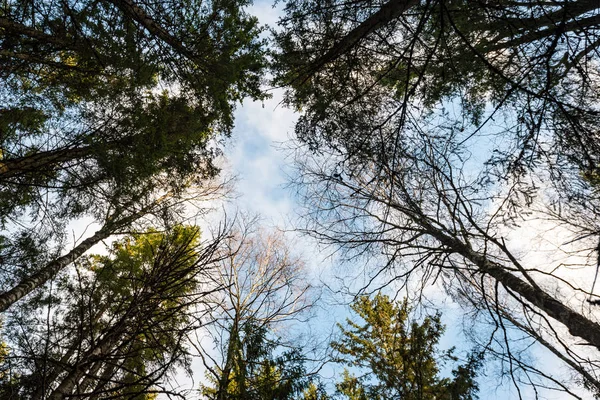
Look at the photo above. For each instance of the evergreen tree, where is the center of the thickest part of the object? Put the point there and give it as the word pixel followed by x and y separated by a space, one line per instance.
pixel 105 106
pixel 117 328
pixel 315 392
pixel 258 372
pixel 399 357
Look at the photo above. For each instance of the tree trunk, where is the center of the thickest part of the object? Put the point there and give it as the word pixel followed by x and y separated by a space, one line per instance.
pixel 136 13
pixel 11 28
pixel 40 163
pixel 387 13
pixel 62 365
pixel 567 12
pixel 577 324
pixel 27 285
pixel 231 348
pixel 69 383
pixel 591 380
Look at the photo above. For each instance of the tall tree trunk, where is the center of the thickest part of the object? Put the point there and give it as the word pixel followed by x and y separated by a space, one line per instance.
pixel 70 382
pixel 577 324
pixel 140 16
pixel 568 11
pixel 41 162
pixel 93 384
pixel 11 28
pixel 48 379
pixel 387 13
pixel 62 365
pixel 27 285
pixel 103 380
pixel 234 339
pixel 591 380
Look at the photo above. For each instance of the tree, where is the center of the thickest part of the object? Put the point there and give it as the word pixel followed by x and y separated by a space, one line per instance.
pixel 107 106
pixel 354 68
pixel 436 129
pixel 400 356
pixel 119 326
pixel 256 372
pixel 266 289
pixel 430 226
pixel 315 392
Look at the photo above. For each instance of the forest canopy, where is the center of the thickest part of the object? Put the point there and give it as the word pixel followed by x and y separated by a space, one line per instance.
pixel 432 138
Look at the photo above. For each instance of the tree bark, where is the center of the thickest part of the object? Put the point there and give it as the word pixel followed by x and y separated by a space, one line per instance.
pixel 138 14
pixel 538 34
pixel 62 364
pixel 27 285
pixel 568 11
pixel 11 28
pixel 68 384
pixel 234 336
pixel 577 324
pixel 387 13
pixel 531 28
pixel 40 162
pixel 592 381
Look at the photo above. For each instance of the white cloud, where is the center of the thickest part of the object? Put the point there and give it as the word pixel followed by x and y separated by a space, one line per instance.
pixel 252 157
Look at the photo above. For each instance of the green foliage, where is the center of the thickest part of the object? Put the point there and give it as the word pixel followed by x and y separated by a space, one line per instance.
pixel 107 105
pixel 400 357
pixel 315 392
pixel 119 325
pixel 260 369
pixel 361 71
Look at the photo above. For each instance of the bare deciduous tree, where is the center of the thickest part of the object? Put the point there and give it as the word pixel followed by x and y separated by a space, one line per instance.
pixel 434 220
pixel 266 288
